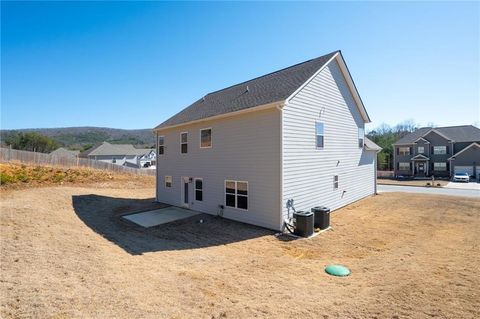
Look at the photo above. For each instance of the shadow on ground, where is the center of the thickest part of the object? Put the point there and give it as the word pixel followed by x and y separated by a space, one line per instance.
pixel 104 215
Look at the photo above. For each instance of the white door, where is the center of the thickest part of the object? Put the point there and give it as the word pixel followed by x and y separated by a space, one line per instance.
pixel 464 169
pixel 185 191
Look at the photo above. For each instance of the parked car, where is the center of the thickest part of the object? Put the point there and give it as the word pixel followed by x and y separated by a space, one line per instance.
pixel 461 177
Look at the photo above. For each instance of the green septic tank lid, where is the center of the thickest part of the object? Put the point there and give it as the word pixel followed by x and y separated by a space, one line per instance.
pixel 337 270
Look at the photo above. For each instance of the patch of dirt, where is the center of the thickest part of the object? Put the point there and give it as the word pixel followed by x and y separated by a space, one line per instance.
pixel 436 183
pixel 17 176
pixel 67 253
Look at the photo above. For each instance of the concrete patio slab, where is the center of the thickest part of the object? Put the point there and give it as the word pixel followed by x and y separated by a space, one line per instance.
pixel 160 216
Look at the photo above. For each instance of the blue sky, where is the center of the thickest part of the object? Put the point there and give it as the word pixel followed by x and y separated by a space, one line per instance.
pixel 134 64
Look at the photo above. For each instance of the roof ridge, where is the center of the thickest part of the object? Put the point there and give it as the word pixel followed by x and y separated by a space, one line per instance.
pixel 277 71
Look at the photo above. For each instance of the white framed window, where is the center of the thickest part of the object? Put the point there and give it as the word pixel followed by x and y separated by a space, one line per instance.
pixel 184 142
pixel 161 145
pixel 404 166
pixel 335 181
pixel 236 194
pixel 439 150
pixel 404 150
pixel 440 166
pixel 198 184
pixel 206 138
pixel 361 136
pixel 168 181
pixel 421 150
pixel 319 134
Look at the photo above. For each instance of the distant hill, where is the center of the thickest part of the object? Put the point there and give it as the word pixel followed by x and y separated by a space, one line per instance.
pixel 81 137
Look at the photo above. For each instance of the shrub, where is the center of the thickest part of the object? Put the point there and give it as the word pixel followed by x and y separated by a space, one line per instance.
pixel 6 179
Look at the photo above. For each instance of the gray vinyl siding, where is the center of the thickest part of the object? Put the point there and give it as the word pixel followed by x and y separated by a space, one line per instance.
pixel 308 172
pixel 469 157
pixel 244 148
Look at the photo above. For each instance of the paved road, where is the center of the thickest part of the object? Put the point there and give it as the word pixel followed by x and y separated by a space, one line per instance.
pixel 426 190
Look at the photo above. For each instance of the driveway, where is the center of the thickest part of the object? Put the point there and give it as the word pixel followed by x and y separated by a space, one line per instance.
pixel 430 190
pixel 457 185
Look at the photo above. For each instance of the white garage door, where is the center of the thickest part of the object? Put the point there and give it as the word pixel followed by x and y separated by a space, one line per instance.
pixel 464 169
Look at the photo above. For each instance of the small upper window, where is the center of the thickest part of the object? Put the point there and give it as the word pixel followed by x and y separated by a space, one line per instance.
pixel 161 145
pixel 184 142
pixel 439 150
pixel 421 150
pixel 319 134
pixel 361 136
pixel 335 181
pixel 199 189
pixel 206 138
pixel 168 181
pixel 404 150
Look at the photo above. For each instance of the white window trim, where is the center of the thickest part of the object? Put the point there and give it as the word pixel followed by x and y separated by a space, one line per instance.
pixel 158 145
pixel 236 194
pixel 403 169
pixel 443 152
pixel 423 149
pixel 195 189
pixel 444 167
pixel 211 137
pixel 323 135
pixel 183 143
pixel 360 145
pixel 165 181
pixel 400 152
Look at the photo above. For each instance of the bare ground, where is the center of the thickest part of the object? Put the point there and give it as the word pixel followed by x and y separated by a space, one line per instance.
pixel 65 252
pixel 387 181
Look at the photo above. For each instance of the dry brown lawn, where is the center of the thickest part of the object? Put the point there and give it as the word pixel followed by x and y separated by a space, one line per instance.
pixel 66 253
pixel 385 181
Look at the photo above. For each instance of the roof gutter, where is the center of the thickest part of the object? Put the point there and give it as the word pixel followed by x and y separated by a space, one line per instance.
pixel 278 104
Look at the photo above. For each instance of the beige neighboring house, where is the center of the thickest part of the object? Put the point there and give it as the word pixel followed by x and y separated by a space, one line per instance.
pixel 119 154
pixel 63 152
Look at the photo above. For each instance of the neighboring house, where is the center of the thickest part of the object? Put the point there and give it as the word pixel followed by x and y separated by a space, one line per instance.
pixel 148 160
pixel 119 154
pixel 243 151
pixel 439 151
pixel 63 152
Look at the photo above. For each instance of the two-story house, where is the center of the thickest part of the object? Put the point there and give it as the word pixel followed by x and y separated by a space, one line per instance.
pixel 439 151
pixel 242 152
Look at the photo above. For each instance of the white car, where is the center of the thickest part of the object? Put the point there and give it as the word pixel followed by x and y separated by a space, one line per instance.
pixel 461 177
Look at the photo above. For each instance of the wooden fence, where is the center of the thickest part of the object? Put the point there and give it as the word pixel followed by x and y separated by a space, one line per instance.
pixel 11 155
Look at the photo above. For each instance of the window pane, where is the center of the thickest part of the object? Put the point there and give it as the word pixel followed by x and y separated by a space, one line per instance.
pixel 184 148
pixel 161 140
pixel 230 187
pixel 198 184
pixel 242 202
pixel 160 150
pixel 319 141
pixel 242 188
pixel 360 142
pixel 319 128
pixel 184 137
pixel 198 195
pixel 230 200
pixel 206 138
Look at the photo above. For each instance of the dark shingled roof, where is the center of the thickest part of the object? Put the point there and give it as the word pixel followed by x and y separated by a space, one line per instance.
pixel 269 88
pixel 464 133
